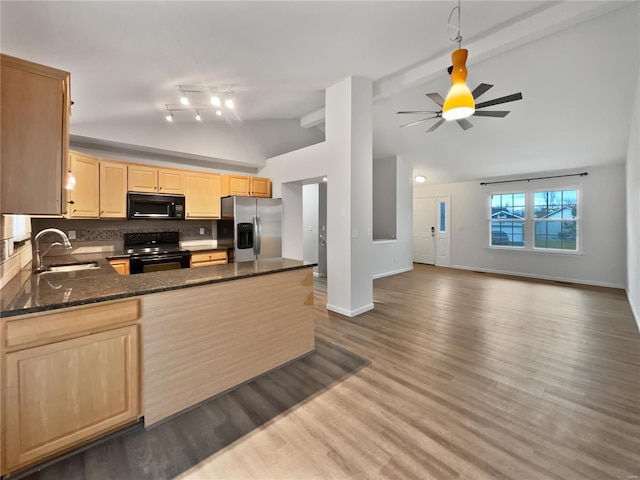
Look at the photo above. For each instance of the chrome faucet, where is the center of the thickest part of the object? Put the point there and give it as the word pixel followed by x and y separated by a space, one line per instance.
pixel 40 257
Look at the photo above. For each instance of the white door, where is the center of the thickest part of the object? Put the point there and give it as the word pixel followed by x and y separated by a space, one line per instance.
pixel 443 228
pixel 424 226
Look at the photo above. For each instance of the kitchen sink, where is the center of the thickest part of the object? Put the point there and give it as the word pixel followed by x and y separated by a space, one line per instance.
pixel 71 267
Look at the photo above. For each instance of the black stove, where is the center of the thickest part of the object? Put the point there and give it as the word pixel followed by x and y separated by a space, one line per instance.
pixel 154 251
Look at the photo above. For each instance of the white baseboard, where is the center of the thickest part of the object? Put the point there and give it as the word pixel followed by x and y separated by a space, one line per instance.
pixel 634 312
pixel 394 272
pixel 541 277
pixel 350 313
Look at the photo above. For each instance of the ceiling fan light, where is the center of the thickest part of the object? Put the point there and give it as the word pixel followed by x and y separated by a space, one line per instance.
pixel 459 102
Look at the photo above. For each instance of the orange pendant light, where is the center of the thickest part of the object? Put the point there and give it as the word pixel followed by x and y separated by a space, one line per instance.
pixel 459 102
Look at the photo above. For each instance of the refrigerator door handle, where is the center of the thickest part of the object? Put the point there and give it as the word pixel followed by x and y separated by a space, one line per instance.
pixel 259 234
pixel 255 235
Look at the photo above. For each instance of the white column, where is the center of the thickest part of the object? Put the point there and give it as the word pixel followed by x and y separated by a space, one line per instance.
pixel 349 197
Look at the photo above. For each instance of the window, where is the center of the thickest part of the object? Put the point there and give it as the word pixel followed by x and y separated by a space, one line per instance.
pixel 556 224
pixel 536 220
pixel 507 219
pixel 443 217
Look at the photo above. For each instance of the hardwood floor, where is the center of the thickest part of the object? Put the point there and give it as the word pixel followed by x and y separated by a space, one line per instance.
pixel 453 375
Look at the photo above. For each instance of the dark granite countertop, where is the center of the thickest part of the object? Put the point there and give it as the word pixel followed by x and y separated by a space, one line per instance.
pixel 29 292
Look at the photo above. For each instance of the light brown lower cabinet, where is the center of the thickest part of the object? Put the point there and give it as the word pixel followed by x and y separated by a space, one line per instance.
pixel 62 394
pixel 206 258
pixel 120 265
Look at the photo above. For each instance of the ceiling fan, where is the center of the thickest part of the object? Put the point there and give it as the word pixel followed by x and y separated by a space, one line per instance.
pixel 463 122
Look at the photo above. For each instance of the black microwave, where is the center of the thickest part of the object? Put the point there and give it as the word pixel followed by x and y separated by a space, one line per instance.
pixel 156 206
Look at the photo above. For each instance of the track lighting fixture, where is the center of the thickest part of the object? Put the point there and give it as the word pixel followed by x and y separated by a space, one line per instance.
pixel 183 97
pixel 212 98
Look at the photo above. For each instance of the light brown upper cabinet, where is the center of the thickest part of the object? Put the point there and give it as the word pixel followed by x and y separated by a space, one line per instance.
pixel 170 181
pixel 260 187
pixel 145 178
pixel 202 195
pixel 113 189
pixel 244 186
pixel 35 137
pixel 84 198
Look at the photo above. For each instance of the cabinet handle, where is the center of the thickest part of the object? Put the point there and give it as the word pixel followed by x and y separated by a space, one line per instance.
pixel 159 188
pixel 71 202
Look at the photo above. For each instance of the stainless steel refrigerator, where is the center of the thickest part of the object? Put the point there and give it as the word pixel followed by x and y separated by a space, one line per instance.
pixel 252 227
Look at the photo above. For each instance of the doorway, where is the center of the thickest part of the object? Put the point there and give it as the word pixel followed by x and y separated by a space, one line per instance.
pixel 431 231
pixel 314 221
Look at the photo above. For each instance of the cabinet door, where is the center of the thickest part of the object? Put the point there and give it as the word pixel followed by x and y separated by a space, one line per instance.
pixel 202 195
pixel 120 266
pixel 170 181
pixel 113 190
pixel 84 198
pixel 65 393
pixel 260 187
pixel 35 137
pixel 235 185
pixel 142 178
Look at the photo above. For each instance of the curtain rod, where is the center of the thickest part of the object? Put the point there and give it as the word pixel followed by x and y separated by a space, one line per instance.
pixel 583 174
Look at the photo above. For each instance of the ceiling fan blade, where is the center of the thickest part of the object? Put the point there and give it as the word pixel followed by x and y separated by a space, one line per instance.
pixel 436 125
pixel 436 97
pixel 464 123
pixel 497 101
pixel 491 113
pixel 480 89
pixel 416 122
pixel 417 111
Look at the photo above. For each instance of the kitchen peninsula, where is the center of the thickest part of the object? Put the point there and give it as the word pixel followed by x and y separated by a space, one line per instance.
pixel 105 350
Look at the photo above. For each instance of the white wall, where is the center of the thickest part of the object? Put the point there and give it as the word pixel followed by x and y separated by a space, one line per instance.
pixel 310 212
pixel 292 240
pixel 602 228
pixel 396 256
pixel 346 159
pixel 633 209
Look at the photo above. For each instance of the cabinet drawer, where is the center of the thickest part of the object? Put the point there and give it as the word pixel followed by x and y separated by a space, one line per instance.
pixel 42 328
pixel 202 259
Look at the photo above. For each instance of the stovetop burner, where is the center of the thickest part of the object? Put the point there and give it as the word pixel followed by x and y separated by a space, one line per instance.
pixel 152 243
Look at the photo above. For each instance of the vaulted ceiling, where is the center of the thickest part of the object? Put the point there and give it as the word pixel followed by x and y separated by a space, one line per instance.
pixel 576 64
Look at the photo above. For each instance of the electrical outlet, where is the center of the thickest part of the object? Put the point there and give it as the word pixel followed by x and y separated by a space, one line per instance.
pixel 72 234
pixel 202 231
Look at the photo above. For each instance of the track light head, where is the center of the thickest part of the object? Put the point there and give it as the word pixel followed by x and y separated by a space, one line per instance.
pixel 215 101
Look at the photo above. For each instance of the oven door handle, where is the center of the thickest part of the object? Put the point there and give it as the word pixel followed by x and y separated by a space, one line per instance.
pixel 157 258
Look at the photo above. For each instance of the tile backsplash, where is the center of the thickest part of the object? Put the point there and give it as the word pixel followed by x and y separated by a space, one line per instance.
pixel 110 232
